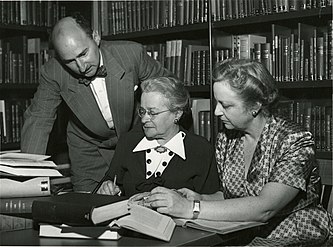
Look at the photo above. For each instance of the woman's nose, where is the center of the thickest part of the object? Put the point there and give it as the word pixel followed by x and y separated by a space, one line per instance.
pixel 218 111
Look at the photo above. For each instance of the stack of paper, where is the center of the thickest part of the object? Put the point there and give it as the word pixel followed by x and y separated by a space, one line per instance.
pixel 23 178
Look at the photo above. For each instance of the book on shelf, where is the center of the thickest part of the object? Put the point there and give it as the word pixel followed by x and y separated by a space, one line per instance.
pixel 245 44
pixel 191 63
pixel 199 105
pixel 14 186
pixel 220 227
pixel 84 232
pixel 79 209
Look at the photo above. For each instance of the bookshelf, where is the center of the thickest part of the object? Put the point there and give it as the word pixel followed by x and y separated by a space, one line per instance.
pixel 22 22
pixel 209 21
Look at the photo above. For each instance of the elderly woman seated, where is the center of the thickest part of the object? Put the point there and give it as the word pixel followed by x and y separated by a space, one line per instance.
pixel 160 152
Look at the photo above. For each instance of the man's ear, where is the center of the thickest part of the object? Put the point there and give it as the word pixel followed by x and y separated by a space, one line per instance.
pixel 96 37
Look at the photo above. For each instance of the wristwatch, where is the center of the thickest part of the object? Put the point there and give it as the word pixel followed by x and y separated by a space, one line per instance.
pixel 196 209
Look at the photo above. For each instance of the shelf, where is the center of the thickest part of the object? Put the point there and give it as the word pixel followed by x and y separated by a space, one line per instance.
pixel 324 155
pixel 193 31
pixel 10 146
pixel 20 86
pixel 287 18
pixel 305 84
pixel 198 89
pixel 25 28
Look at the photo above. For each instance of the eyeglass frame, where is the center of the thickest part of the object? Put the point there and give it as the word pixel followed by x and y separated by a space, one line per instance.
pixel 152 115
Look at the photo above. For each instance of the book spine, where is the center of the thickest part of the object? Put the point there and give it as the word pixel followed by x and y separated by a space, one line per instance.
pixel 61 213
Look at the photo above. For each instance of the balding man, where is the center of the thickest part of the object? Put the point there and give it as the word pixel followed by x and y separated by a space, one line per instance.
pixel 97 80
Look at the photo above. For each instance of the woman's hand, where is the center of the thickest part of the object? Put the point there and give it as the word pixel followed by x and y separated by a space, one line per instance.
pixel 171 202
pixel 109 188
pixel 189 194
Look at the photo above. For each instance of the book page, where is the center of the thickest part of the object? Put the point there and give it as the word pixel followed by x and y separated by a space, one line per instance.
pixel 24 156
pixel 221 227
pixel 31 172
pixel 27 163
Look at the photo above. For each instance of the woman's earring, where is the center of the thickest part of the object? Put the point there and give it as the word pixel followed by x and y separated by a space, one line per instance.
pixel 254 113
pixel 175 120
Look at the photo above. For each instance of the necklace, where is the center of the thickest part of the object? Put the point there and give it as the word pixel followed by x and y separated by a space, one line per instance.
pixel 161 149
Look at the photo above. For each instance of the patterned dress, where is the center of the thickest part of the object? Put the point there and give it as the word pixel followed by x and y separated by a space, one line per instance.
pixel 284 154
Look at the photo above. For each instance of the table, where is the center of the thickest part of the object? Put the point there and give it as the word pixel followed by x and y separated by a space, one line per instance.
pixel 181 237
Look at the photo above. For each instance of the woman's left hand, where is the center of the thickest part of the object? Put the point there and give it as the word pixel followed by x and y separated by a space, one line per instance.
pixel 171 202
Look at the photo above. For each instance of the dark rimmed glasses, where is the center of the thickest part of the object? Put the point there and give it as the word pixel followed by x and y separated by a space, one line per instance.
pixel 142 112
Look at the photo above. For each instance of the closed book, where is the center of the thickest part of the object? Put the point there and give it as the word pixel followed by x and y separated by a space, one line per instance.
pixel 85 232
pixel 18 205
pixel 24 187
pixel 79 209
pixel 220 227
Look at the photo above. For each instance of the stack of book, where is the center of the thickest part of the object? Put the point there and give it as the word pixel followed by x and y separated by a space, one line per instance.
pixel 95 216
pixel 23 179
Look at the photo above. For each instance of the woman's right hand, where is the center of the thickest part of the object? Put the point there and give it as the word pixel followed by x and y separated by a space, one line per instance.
pixel 108 188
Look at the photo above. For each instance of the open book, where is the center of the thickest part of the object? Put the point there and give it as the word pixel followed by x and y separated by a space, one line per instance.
pixel 220 227
pixel 86 232
pixel 147 221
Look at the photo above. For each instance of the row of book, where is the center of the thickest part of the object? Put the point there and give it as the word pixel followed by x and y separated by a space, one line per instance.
pixel 187 59
pixel 36 13
pixel 234 9
pixel 11 119
pixel 131 16
pixel 21 58
pixel 315 116
pixel 292 55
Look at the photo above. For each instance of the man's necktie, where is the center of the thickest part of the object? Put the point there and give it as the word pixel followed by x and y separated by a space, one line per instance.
pixel 101 72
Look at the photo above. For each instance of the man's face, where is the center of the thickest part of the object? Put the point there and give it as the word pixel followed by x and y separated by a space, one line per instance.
pixel 78 51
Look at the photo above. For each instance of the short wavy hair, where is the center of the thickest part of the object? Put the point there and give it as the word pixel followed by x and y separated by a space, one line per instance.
pixel 250 80
pixel 174 91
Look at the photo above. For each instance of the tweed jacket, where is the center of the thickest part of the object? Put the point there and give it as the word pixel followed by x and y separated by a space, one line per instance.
pixel 90 141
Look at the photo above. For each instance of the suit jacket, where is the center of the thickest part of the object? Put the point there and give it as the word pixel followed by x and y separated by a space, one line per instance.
pixel 91 142
pixel 197 172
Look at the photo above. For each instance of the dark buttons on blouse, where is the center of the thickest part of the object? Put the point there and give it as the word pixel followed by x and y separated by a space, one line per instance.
pixel 148 151
pixel 164 163
pixel 149 173
pixel 148 161
pixel 170 153
pixel 158 174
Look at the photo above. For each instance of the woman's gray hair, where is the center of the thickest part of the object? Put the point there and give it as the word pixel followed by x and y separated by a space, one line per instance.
pixel 174 91
pixel 250 80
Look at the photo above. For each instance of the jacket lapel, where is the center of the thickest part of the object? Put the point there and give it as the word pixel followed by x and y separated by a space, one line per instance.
pixel 120 89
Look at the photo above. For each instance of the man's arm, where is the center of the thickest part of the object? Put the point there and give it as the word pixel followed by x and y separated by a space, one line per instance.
pixel 40 116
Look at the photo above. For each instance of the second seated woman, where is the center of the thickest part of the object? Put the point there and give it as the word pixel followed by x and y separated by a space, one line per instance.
pixel 161 152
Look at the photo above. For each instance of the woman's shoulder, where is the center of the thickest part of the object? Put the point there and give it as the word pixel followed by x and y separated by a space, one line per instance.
pixel 197 140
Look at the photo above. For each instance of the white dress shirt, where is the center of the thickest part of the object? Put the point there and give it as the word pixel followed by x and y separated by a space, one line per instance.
pixel 98 88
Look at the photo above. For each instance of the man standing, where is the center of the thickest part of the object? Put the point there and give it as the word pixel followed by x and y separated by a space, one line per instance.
pixel 97 80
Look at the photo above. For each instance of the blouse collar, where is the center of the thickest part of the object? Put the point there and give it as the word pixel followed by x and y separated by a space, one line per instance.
pixel 175 144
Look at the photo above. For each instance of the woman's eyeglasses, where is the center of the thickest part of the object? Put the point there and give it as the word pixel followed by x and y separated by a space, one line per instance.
pixel 142 112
